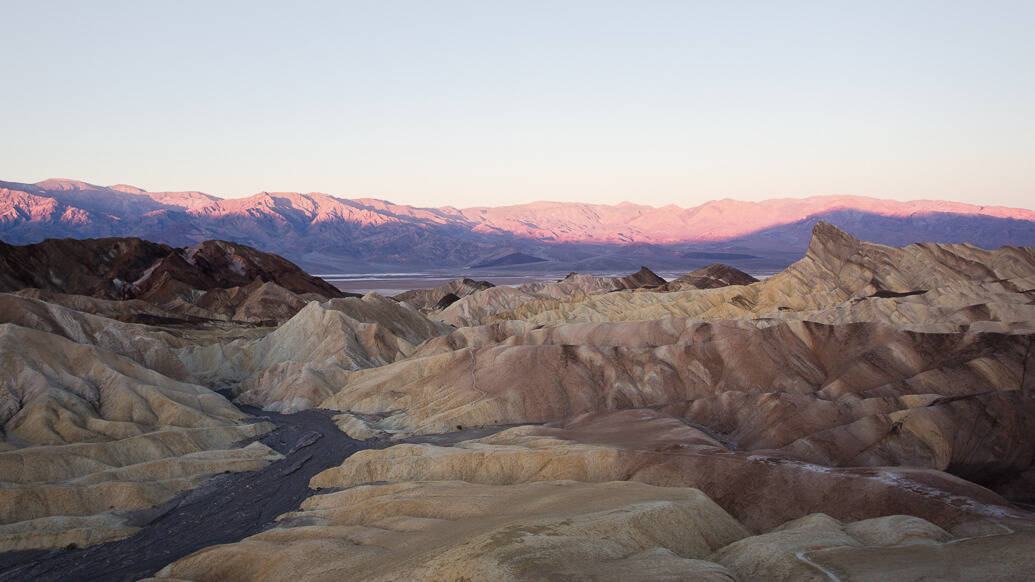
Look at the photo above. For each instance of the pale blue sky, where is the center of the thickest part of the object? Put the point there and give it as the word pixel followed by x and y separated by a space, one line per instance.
pixel 470 103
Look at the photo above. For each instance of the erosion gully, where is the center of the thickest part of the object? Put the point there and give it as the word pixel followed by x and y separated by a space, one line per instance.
pixel 225 509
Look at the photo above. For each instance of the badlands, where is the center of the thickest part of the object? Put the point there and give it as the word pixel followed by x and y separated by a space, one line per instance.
pixel 214 413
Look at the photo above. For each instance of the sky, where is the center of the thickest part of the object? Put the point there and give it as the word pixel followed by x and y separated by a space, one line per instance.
pixel 490 103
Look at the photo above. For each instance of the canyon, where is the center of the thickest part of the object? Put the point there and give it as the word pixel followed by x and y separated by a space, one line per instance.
pixel 867 413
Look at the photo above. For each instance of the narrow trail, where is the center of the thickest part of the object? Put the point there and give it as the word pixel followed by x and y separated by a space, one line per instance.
pixel 225 509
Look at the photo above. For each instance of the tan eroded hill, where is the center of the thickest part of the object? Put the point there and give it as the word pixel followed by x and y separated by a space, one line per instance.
pixel 89 433
pixel 427 300
pixel 541 502
pixel 306 359
pixel 934 284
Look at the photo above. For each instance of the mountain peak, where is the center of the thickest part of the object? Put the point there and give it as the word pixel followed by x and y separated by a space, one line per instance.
pixel 830 244
pixel 127 189
pixel 642 278
pixel 65 184
pixel 823 231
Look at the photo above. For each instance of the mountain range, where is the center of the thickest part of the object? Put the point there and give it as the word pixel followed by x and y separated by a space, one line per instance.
pixel 324 233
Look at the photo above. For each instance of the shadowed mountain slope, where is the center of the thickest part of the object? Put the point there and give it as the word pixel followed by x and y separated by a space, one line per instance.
pixel 325 232
pixel 210 280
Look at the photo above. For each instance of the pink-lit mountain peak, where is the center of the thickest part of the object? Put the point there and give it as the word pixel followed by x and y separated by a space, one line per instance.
pixel 66 184
pixel 128 189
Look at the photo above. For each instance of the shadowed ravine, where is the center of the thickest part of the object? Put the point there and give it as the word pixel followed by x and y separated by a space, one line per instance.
pixel 225 509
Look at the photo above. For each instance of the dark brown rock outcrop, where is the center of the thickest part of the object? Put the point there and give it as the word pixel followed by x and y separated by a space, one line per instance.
pixel 100 267
pixel 130 268
pixel 711 277
pixel 220 264
pixel 211 280
pixel 640 279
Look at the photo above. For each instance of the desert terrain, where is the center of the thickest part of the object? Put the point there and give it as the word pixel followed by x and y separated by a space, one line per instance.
pixel 213 412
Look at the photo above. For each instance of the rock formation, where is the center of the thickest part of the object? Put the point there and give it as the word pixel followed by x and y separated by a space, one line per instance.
pixel 307 359
pixel 711 277
pixel 88 433
pixel 868 413
pixel 443 296
pixel 853 395
pixel 98 267
pixel 531 504
pixel 482 306
pixel 840 279
pixel 211 280
pixel 217 264
pixel 577 284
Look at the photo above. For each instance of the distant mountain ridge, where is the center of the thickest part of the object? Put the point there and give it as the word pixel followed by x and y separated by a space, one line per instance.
pixel 319 231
